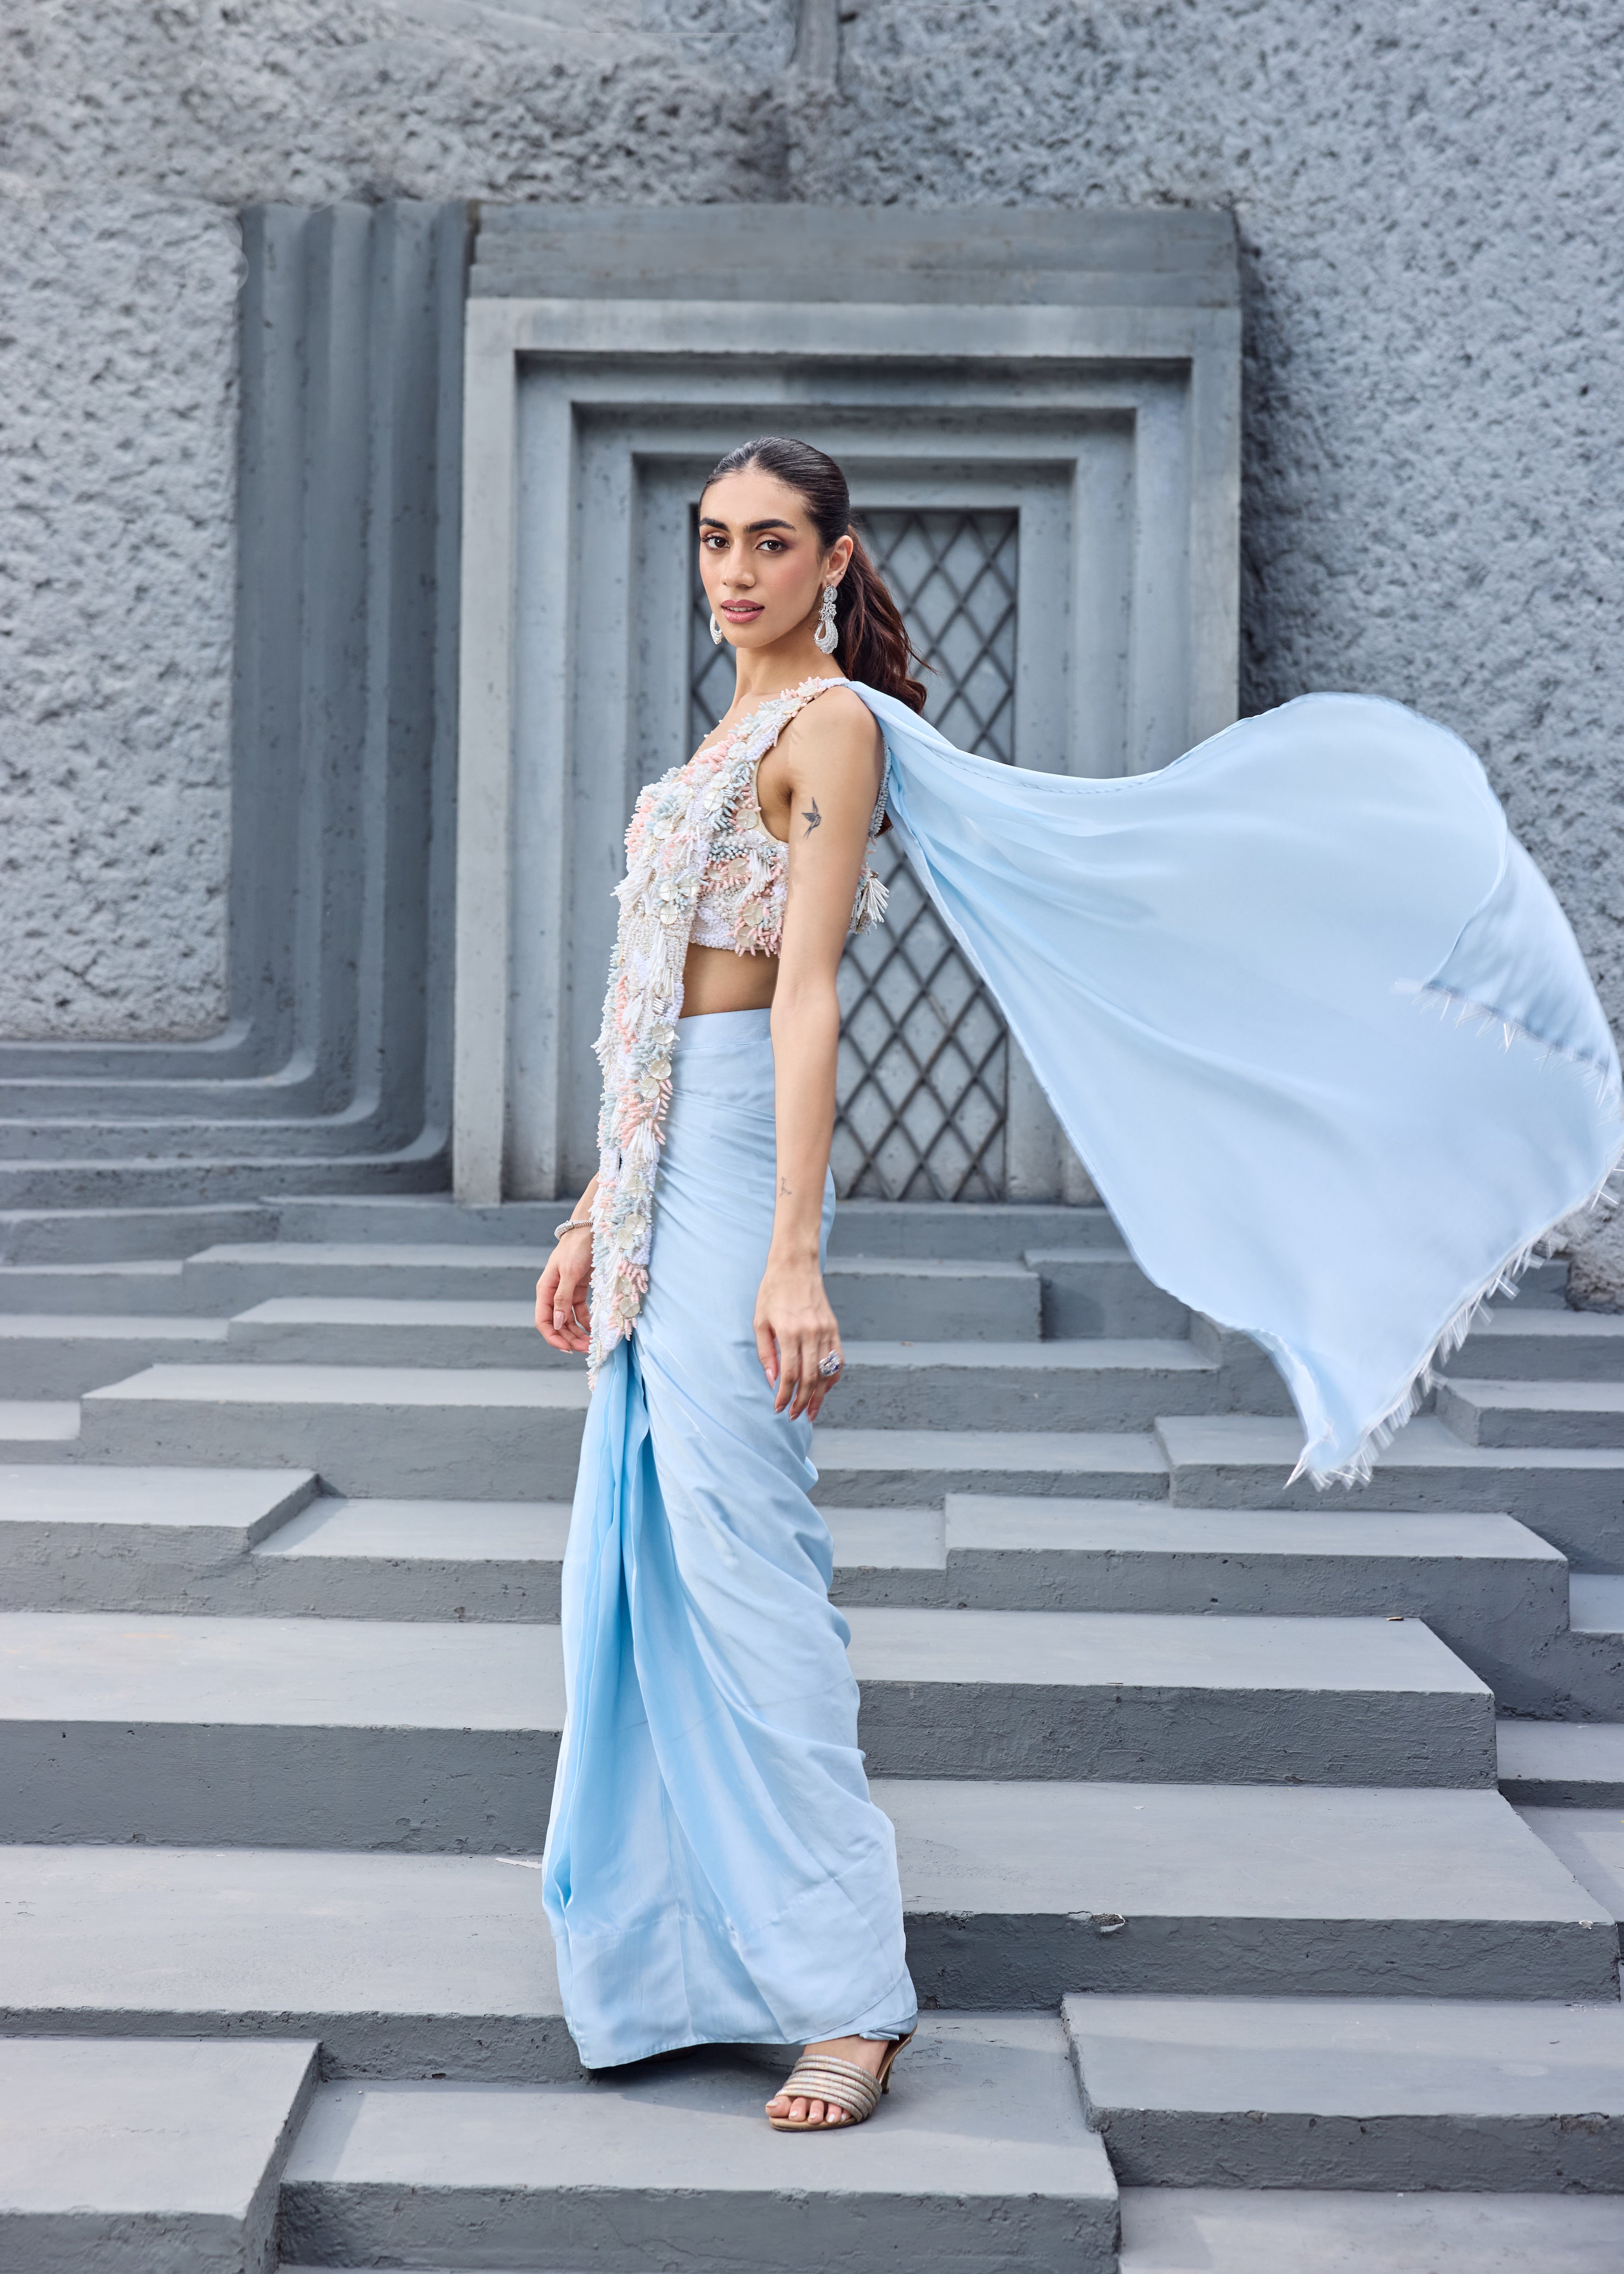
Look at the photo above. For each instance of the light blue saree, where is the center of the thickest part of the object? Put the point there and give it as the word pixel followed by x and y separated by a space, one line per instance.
pixel 1327 1046
pixel 716 1873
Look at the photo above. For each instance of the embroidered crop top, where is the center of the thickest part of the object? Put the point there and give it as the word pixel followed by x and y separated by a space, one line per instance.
pixel 742 894
pixel 700 865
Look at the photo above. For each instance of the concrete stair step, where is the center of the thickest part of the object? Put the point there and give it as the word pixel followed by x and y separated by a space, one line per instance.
pixel 391 1330
pixel 1358 2093
pixel 108 1235
pixel 875 1298
pixel 1088 1291
pixel 1099 1384
pixel 109 1289
pixel 1589 1844
pixel 413 1559
pixel 1548 1413
pixel 414 1966
pixel 74 1537
pixel 38 1428
pixel 1562 1764
pixel 1491 1589
pixel 79 1536
pixel 1514 1344
pixel 63 1356
pixel 1595 1603
pixel 992 1231
pixel 491 1433
pixel 1543 1287
pixel 919 1468
pixel 1015 1891
pixel 425 1737
pixel 49 1185
pixel 672 2163
pixel 1569 1496
pixel 412 1218
pixel 234 1276
pixel 120 2157
pixel 320 1733
pixel 1308 2230
pixel 1070 1695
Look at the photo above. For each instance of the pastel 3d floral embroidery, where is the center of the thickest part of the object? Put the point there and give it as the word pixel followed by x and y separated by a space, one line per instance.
pixel 685 845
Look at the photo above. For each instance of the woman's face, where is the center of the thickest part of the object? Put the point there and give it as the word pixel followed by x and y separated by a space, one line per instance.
pixel 760 561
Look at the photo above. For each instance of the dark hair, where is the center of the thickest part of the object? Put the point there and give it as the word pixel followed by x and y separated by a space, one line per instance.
pixel 873 642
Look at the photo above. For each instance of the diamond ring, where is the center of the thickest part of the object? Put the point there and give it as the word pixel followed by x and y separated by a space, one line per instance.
pixel 831 1366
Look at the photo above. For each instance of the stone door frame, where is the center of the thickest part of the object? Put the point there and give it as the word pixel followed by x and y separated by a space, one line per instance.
pixel 580 414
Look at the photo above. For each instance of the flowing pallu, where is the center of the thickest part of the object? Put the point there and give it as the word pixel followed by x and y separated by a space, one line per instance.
pixel 715 1871
pixel 1309 1013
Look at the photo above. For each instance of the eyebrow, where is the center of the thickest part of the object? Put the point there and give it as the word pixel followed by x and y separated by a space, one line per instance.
pixel 709 521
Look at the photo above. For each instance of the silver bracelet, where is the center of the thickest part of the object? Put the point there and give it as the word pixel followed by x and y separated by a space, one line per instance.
pixel 576 1223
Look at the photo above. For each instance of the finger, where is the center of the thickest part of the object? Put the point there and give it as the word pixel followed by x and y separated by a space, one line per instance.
pixel 806 1374
pixel 767 1351
pixel 795 1384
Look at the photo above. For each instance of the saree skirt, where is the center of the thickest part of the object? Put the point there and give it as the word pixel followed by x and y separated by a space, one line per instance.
pixel 715 1871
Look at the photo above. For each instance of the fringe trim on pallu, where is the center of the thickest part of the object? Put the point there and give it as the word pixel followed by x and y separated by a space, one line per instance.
pixel 1501 1281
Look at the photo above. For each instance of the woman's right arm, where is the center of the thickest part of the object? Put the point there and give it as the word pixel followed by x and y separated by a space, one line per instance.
pixel 563 1291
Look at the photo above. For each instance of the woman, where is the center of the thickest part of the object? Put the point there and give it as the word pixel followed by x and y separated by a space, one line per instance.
pixel 1219 974
pixel 716 1869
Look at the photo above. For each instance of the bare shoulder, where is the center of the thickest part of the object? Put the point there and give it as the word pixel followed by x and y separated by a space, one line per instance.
pixel 836 729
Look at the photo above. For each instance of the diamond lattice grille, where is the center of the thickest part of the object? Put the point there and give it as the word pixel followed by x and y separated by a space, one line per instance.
pixel 924 1060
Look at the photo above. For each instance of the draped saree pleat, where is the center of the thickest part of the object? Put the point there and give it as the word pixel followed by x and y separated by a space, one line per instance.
pixel 715 1871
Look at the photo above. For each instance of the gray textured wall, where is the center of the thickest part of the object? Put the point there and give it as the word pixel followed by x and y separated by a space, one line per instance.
pixel 1430 199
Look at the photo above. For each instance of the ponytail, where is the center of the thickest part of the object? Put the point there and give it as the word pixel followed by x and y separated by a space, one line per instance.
pixel 872 642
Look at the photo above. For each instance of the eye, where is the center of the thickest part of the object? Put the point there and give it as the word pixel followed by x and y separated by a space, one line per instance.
pixel 773 545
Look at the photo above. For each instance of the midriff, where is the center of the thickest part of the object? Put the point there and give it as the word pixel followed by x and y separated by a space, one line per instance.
pixel 716 979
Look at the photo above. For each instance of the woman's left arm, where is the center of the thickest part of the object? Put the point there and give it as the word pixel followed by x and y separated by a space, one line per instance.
pixel 833 756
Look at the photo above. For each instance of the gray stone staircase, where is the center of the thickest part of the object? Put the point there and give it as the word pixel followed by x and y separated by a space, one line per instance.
pixel 1260 1850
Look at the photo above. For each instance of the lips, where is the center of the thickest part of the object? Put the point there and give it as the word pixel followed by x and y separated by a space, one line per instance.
pixel 740 612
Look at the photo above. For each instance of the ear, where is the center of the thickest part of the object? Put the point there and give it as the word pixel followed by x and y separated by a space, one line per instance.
pixel 837 559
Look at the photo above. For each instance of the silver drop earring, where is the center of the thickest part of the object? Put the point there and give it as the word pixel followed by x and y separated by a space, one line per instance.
pixel 825 636
pixel 716 631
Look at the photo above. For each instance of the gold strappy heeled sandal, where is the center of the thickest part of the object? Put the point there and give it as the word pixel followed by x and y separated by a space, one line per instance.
pixel 838 2084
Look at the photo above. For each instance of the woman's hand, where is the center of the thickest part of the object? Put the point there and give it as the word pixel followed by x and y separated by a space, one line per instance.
pixel 795 1331
pixel 563 1292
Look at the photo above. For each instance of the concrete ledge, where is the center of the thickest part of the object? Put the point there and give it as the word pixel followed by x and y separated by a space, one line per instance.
pixel 146 2158
pixel 672 2159
pixel 918 1468
pixel 1016 1891
pixel 498 1433
pixel 285 1732
pixel 1357 2094
pixel 1296 2231
pixel 74 1537
pixel 1178 1700
pixel 1547 1413
pixel 1562 1764
pixel 1515 1344
pixel 1573 1497
pixel 1590 1842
